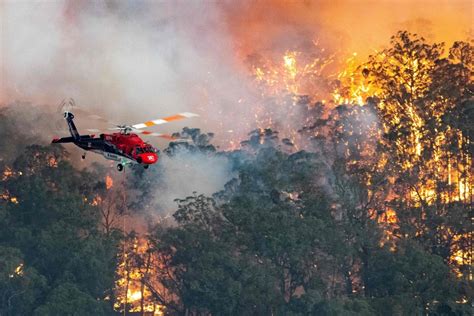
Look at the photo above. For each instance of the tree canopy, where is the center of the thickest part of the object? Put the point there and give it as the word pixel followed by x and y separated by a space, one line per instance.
pixel 369 214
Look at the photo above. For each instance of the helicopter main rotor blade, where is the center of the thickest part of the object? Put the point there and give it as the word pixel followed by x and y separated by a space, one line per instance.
pixel 137 131
pixel 162 135
pixel 137 128
pixel 105 130
pixel 94 130
pixel 95 117
pixel 70 106
pixel 179 116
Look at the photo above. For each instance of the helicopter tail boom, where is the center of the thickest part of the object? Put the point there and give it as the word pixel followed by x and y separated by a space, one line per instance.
pixel 72 127
pixel 63 140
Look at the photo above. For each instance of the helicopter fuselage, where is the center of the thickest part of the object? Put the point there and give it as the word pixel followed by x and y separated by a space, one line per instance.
pixel 125 148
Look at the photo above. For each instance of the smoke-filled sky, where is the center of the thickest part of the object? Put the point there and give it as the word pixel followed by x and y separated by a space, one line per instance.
pixel 132 61
pixel 351 25
pixel 137 60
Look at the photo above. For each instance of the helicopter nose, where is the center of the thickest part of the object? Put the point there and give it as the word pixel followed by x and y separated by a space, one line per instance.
pixel 149 158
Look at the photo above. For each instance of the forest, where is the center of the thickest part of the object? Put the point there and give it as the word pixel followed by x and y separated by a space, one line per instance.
pixel 367 210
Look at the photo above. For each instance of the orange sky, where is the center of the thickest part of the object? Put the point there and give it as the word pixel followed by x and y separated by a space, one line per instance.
pixel 353 25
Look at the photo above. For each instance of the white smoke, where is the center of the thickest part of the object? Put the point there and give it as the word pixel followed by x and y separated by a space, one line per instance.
pixel 132 61
pixel 187 172
pixel 129 61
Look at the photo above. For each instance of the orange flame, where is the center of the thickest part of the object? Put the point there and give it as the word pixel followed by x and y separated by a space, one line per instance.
pixel 109 182
pixel 130 287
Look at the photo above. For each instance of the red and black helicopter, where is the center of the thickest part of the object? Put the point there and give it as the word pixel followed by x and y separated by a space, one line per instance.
pixel 123 146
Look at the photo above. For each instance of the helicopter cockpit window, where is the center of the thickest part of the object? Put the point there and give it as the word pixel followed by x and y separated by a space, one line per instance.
pixel 139 150
pixel 148 149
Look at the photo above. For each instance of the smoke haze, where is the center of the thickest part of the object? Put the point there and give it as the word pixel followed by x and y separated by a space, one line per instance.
pixel 186 172
pixel 348 25
pixel 136 60
pixel 132 61
pixel 129 61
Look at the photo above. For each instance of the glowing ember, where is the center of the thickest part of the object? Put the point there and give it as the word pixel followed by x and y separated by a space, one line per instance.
pixel 53 162
pixel 6 196
pixel 7 173
pixel 134 296
pixel 462 256
pixel 290 64
pixel 96 201
pixel 18 271
pixel 109 182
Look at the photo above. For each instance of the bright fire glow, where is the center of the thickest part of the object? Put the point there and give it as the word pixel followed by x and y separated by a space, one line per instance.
pixel 295 74
pixel 109 182
pixel 131 288
pixel 18 271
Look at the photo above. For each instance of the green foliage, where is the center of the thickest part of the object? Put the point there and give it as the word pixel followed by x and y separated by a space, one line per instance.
pixel 301 234
pixel 198 141
pixel 20 286
pixel 67 299
pixel 270 244
pixel 52 230
pixel 294 233
pixel 410 281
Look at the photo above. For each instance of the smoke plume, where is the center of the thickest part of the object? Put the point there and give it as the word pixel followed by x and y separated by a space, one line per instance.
pixel 132 61
pixel 136 60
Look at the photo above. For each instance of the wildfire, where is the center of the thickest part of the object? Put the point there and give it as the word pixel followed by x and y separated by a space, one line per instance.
pixel 285 83
pixel 388 217
pixel 132 292
pixel 290 64
pixel 431 161
pixel 297 73
pixel 353 85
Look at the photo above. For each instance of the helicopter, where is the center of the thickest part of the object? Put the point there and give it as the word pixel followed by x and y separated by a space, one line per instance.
pixel 124 146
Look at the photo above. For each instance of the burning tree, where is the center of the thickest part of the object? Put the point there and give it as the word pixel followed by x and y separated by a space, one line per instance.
pixel 375 214
pixel 54 258
pixel 392 187
pixel 421 97
pixel 134 291
pixel 287 237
